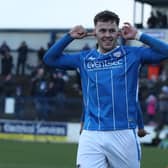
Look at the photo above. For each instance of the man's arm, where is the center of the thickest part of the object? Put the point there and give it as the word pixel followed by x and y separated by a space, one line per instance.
pixel 139 117
pixel 55 56
pixel 82 120
pixel 157 50
pixel 141 131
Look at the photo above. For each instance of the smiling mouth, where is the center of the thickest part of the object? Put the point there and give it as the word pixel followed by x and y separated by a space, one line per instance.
pixel 107 42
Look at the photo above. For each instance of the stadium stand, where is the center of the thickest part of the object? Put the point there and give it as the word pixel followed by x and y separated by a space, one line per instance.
pixel 24 103
pixel 159 13
pixel 155 3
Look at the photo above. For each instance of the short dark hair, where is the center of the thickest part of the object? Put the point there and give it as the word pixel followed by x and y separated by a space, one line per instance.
pixel 106 16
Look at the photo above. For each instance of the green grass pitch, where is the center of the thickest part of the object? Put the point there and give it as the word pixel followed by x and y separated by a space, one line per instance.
pixel 60 155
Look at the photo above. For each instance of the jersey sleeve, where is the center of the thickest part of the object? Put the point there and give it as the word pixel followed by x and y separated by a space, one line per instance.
pixel 139 117
pixel 56 57
pixel 155 50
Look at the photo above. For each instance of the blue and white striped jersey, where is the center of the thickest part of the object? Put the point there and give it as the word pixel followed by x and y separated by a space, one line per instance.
pixel 109 81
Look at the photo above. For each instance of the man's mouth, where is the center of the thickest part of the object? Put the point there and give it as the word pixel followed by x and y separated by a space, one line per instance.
pixel 107 42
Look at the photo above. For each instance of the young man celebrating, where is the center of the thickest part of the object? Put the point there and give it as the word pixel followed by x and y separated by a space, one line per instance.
pixel 109 77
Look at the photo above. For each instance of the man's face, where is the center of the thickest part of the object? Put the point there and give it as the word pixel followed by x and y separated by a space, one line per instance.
pixel 106 34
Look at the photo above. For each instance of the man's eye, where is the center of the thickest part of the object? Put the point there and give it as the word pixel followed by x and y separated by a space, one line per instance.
pixel 102 30
pixel 113 31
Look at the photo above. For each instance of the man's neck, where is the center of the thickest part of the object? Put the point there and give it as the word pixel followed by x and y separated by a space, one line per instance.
pixel 99 50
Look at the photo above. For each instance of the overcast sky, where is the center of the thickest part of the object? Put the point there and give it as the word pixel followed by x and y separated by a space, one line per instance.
pixel 61 13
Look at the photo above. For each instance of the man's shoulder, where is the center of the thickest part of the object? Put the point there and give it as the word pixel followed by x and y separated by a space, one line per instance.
pixel 132 49
pixel 87 53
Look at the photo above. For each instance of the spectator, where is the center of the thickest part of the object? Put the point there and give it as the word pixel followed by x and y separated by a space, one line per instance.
pixel 152 21
pixel 53 91
pixel 39 91
pixel 22 57
pixel 151 108
pixel 163 106
pixel 6 63
pixel 4 48
pixel 60 86
pixel 77 85
pixel 163 76
pixel 41 53
pixel 153 72
pixel 161 20
pixel 8 86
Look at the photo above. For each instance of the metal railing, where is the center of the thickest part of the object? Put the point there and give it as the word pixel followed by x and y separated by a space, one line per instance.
pixel 36 108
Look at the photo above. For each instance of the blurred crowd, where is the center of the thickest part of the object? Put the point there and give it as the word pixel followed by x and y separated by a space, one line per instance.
pixel 154 94
pixel 44 85
pixel 157 19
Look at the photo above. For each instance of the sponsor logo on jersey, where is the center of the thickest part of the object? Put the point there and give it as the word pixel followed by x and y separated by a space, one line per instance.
pixel 103 64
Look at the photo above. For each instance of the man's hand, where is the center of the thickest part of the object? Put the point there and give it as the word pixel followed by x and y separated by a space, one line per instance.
pixel 79 32
pixel 142 133
pixel 128 32
pixel 81 128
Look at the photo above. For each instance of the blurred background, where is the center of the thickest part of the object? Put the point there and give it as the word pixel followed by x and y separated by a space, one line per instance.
pixel 41 107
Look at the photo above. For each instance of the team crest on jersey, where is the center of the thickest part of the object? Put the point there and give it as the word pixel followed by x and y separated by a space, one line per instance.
pixel 91 58
pixel 117 54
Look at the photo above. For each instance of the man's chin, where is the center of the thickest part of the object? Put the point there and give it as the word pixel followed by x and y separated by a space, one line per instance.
pixel 109 48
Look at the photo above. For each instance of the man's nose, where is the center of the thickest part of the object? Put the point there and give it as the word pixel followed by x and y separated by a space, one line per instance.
pixel 108 34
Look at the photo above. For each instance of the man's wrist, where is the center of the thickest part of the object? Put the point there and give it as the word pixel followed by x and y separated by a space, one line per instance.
pixel 138 35
pixel 69 35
